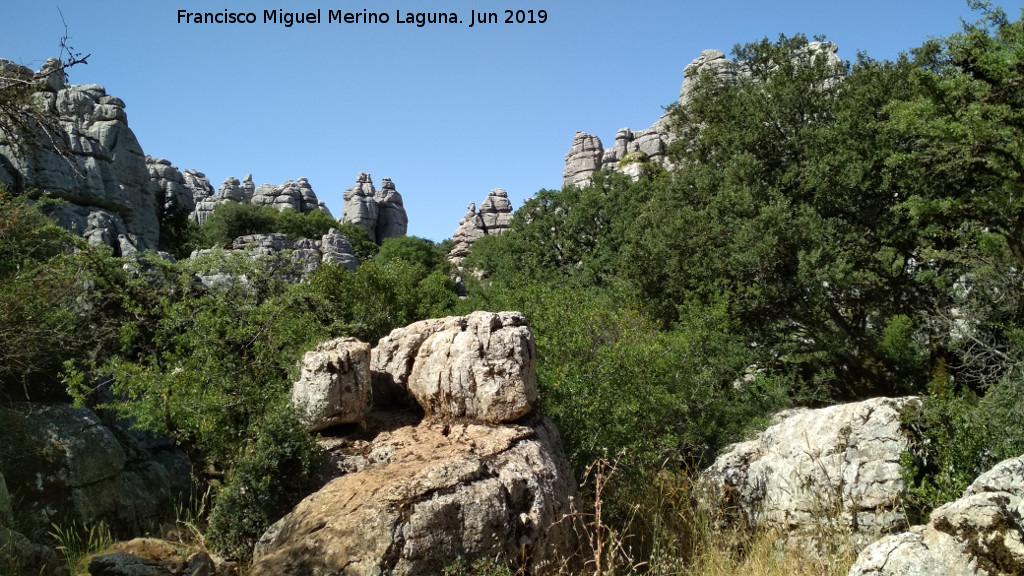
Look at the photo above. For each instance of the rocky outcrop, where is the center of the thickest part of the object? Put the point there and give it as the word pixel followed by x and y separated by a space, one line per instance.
pixel 291 195
pixel 336 249
pixel 479 367
pixel 493 219
pixel 412 498
pixel 835 468
pixel 168 183
pixel 421 496
pixel 309 254
pixel 107 471
pixel 392 221
pixel 334 384
pixel 980 534
pixel 635 152
pixel 77 146
pixel 381 214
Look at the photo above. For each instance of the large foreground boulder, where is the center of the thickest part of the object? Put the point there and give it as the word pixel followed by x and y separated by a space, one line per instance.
pixel 818 471
pixel 479 367
pixel 981 534
pixel 422 496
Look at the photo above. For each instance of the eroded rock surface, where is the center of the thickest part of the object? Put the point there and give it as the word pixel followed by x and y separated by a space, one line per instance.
pixel 981 534
pixel 830 468
pixel 479 367
pixel 421 496
pixel 79 148
pixel 492 219
pixel 381 214
pixel 128 479
pixel 334 384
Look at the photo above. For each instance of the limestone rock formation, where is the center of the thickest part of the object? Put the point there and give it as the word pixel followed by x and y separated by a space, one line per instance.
pixel 380 213
pixel 493 219
pixel 835 467
pixel 309 254
pixel 108 472
pixel 392 221
pixel 980 534
pixel 479 367
pixel 584 158
pixel 291 195
pixel 334 384
pixel 336 249
pixel 79 148
pixel 587 154
pixel 168 184
pixel 421 496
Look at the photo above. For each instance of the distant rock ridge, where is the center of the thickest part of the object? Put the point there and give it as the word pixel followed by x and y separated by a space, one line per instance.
pixel 492 219
pixel 380 213
pixel 292 195
pixel 633 149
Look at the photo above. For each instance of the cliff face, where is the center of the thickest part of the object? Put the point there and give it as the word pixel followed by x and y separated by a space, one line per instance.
pixel 77 146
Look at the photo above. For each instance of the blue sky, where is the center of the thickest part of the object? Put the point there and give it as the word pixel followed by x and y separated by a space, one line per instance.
pixel 447 112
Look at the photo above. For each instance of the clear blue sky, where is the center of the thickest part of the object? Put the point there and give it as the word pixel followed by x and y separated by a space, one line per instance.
pixel 447 112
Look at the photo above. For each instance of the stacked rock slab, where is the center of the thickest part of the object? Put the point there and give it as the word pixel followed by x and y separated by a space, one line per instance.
pixel 466 482
pixel 381 214
pixel 634 148
pixel 830 469
pixel 493 219
pixel 78 147
pixel 981 534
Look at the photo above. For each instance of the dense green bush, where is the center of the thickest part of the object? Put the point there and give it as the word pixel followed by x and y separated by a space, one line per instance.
pixel 275 467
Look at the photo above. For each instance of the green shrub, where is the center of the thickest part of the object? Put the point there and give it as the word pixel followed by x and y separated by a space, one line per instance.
pixel 278 465
pixel 231 220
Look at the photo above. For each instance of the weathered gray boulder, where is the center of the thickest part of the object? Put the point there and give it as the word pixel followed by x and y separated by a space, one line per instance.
pixel 334 384
pixel 479 367
pixel 78 147
pixel 980 534
pixel 421 496
pixel 493 219
pixel 815 471
pixel 381 213
pixel 128 480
